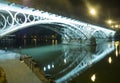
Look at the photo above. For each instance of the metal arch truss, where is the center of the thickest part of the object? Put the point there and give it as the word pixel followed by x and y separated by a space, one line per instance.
pixel 14 17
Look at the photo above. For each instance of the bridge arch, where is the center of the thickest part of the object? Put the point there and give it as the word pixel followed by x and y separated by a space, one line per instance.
pixel 68 32
pixel 19 17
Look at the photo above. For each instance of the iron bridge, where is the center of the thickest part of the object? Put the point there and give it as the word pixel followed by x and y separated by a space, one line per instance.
pixel 14 17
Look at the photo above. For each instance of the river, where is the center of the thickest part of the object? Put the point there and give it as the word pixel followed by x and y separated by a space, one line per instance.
pixel 79 64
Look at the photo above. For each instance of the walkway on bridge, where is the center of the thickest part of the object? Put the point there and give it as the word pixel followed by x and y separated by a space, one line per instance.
pixel 16 72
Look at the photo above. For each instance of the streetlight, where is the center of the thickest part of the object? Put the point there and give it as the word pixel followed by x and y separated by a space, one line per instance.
pixel 109 21
pixel 116 26
pixel 92 11
pixel 113 24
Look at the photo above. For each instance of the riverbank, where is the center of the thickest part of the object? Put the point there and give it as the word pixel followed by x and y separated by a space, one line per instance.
pixel 28 60
pixel 15 70
pixel 2 76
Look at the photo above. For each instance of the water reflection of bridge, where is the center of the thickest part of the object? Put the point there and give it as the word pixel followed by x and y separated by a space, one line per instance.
pixel 76 59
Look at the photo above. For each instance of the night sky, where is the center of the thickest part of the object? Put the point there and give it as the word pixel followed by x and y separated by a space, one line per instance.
pixel 78 9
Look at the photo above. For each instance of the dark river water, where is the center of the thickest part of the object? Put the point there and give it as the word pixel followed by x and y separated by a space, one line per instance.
pixel 79 64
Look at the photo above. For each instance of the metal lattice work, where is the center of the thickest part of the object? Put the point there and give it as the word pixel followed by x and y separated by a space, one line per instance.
pixel 14 17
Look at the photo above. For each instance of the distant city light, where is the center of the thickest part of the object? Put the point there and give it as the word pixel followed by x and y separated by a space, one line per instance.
pixel 116 26
pixel 112 26
pixel 93 77
pixel 109 22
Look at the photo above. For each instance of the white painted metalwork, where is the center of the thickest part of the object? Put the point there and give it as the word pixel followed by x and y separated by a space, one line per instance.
pixel 14 17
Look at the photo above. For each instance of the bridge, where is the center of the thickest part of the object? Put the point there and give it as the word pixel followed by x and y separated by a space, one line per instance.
pixel 14 17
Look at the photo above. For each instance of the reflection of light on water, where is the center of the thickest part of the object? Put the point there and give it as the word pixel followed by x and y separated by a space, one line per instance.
pixel 102 51
pixel 109 45
pixel 93 77
pixel 110 60
pixel 48 66
pixel 35 41
pixel 116 52
pixel 53 66
pixel 116 46
pixel 24 42
pixel 64 60
pixel 56 41
pixel 44 68
pixel 119 48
